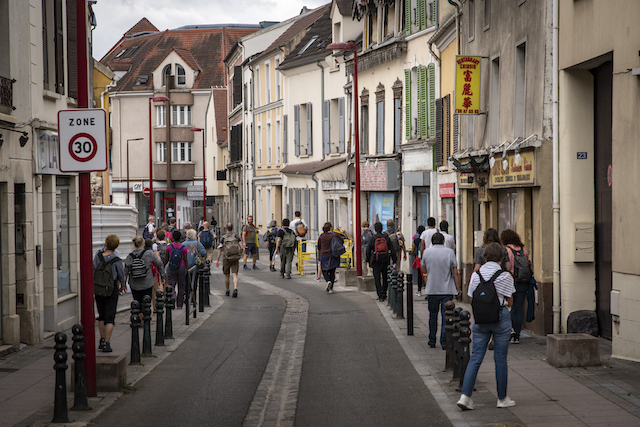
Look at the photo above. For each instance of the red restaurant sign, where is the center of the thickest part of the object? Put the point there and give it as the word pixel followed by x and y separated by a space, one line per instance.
pixel 446 190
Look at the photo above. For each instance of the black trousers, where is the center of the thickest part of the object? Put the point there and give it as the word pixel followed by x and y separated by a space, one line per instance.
pixel 380 278
pixel 329 275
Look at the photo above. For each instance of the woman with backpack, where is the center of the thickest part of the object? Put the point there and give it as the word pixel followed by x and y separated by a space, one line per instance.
pixel 137 266
pixel 416 258
pixel 491 289
pixel 520 269
pixel 270 237
pixel 490 236
pixel 109 281
pixel 328 261
pixel 177 267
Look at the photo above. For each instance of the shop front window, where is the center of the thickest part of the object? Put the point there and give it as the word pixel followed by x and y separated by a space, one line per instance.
pixel 62 241
pixel 507 213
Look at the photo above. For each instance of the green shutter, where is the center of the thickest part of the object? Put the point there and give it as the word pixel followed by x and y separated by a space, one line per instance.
pixel 431 98
pixel 419 14
pixel 422 101
pixel 407 103
pixel 407 17
pixel 434 11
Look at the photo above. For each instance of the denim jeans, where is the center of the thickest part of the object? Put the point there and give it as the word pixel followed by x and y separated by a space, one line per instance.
pixel 501 332
pixel 517 310
pixel 435 302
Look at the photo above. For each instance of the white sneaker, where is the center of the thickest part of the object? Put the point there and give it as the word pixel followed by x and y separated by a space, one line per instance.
pixel 328 286
pixel 418 294
pixel 465 402
pixel 504 403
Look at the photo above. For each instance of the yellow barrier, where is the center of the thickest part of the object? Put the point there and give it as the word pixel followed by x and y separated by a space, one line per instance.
pixel 310 258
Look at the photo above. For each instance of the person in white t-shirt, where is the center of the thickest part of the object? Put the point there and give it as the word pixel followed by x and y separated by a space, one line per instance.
pixel 428 233
pixel 448 238
pixel 294 226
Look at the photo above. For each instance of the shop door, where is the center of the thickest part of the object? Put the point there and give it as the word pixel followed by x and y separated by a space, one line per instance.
pixel 423 207
pixel 603 82
pixel 168 209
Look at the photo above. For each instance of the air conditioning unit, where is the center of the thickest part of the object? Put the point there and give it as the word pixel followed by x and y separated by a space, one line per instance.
pixel 221 175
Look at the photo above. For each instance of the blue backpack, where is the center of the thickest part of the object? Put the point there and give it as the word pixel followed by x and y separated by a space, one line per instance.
pixel 146 234
pixel 175 258
pixel 206 239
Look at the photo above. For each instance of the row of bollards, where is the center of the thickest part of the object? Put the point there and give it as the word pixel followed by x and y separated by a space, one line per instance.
pixel 458 331
pixel 164 326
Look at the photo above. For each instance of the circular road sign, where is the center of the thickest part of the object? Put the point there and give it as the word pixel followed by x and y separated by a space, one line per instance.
pixel 83 147
pixel 147 192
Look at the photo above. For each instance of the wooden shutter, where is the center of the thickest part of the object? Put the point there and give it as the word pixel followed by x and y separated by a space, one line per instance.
pixel 434 13
pixel 380 127
pixel 298 204
pixel 72 49
pixel 309 130
pixel 307 207
pixel 285 138
pixel 341 136
pixel 447 120
pixel 290 205
pixel 419 14
pixel 422 102
pixel 45 47
pixel 59 44
pixel 407 17
pixel 237 85
pixel 431 98
pixel 296 129
pixel 326 129
pixel 439 143
pixel 456 132
pixel 407 103
pixel 397 124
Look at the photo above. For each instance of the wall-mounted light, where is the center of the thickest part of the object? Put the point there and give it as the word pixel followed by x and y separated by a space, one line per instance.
pixel 375 164
pixel 24 139
pixel 492 160
pixel 366 163
pixel 517 157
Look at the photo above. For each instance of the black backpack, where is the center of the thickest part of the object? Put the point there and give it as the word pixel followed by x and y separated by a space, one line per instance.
pixel 139 268
pixel 206 239
pixel 521 266
pixel 103 282
pixel 485 304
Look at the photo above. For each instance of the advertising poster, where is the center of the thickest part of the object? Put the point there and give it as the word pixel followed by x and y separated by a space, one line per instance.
pixel 381 208
pixel 467 93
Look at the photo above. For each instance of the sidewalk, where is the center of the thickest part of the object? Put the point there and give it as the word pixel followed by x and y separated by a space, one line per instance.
pixel 607 395
pixel 27 378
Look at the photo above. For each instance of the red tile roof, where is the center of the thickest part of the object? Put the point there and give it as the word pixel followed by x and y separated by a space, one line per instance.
pixel 220 106
pixel 142 26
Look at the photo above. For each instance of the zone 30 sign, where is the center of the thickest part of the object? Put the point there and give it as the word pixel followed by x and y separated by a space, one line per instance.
pixel 83 141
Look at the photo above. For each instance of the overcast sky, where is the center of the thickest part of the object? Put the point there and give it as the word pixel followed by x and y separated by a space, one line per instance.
pixel 115 17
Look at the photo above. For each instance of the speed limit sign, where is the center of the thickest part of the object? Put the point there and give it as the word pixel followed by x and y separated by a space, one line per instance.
pixel 82 139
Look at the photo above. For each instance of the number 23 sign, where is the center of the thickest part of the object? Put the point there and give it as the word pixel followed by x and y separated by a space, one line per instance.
pixel 82 138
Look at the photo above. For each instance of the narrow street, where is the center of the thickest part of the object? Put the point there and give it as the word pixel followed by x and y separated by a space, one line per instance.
pixel 283 353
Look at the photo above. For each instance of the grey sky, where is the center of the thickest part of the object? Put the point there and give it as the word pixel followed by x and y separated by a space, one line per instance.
pixel 114 17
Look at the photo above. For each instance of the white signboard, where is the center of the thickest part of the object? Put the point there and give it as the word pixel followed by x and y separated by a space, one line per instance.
pixel 83 140
pixel 137 187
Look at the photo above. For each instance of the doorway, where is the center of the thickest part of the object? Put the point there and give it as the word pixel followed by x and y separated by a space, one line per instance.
pixel 168 209
pixel 423 206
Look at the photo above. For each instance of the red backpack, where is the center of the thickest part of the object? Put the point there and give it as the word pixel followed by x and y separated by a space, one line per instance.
pixel 381 249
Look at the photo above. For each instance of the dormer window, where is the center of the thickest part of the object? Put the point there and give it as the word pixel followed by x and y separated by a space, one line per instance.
pixel 181 75
pixel 166 73
pixel 121 53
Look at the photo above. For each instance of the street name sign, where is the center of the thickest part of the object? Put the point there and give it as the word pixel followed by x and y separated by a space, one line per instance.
pixel 82 139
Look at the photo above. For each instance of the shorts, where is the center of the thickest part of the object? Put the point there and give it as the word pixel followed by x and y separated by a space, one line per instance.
pixel 230 266
pixel 107 308
pixel 251 249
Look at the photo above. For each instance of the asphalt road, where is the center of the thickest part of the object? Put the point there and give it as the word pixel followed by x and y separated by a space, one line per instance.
pixel 229 372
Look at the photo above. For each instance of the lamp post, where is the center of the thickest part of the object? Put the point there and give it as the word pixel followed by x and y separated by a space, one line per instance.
pixel 132 139
pixel 154 99
pixel 354 48
pixel 204 177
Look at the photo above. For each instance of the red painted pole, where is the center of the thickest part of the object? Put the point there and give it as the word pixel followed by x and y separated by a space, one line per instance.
pixel 87 316
pixel 204 184
pixel 128 170
pixel 357 149
pixel 168 145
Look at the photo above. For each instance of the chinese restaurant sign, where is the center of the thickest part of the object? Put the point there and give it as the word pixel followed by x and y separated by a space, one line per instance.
pixel 514 175
pixel 467 84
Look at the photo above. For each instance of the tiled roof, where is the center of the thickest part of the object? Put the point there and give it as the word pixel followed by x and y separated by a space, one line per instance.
pixel 220 106
pixel 202 49
pixel 345 7
pixel 300 25
pixel 142 26
pixel 313 45
pixel 311 167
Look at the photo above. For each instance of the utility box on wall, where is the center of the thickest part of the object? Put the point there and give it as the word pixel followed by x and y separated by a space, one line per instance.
pixel 584 242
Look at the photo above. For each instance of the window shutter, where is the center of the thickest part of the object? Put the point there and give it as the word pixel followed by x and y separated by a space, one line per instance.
pixel 439 143
pixel 296 129
pixel 307 206
pixel 285 138
pixel 309 130
pixel 447 121
pixel 397 119
pixel 72 57
pixel 341 137
pixel 422 101
pixel 434 13
pixel 419 14
pixel 298 204
pixel 431 98
pixel 407 17
pixel 59 43
pixel 326 130
pixel 45 47
pixel 456 131
pixel 407 103
pixel 237 85
pixel 290 205
pixel 380 128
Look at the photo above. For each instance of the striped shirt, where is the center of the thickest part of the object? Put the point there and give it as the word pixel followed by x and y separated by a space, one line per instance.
pixel 503 283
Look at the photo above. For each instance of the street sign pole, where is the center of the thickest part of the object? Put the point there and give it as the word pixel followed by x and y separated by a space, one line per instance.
pixel 87 316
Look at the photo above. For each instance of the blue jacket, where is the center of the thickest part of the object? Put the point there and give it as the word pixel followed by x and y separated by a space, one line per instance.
pixel 193 247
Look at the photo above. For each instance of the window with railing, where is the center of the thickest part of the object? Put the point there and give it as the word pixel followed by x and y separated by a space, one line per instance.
pixel 6 92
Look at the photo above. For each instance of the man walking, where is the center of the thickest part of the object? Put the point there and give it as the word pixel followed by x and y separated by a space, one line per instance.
pixel 448 238
pixel 249 239
pixel 206 237
pixel 231 249
pixel 150 228
pixel 440 271
pixel 300 228
pixel 378 254
pixel 428 233
pixel 397 242
pixel 284 246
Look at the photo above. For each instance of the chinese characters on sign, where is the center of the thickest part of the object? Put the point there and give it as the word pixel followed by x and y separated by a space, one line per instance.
pixel 467 84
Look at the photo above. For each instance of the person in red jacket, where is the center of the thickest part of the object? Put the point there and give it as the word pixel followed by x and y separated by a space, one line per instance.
pixel 328 262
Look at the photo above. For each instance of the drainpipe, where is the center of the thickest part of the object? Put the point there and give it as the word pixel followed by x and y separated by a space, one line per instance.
pixel 253 145
pixel 106 89
pixel 315 207
pixel 204 138
pixel 556 181
pixel 321 104
pixel 451 2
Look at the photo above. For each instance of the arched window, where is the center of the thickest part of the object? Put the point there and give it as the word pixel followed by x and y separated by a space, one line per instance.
pixel 181 75
pixel 165 74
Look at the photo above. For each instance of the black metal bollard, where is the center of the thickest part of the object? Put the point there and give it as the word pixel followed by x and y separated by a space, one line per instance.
pixel 146 330
pixel 159 318
pixel 207 284
pixel 201 290
pixel 135 333
pixel 456 344
pixel 389 290
pixel 448 320
pixel 409 304
pixel 60 414
pixel 170 304
pixel 394 290
pixel 464 340
pixel 400 296
pixel 80 402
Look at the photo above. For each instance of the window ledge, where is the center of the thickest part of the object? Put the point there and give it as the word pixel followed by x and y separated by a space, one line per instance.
pixel 67 297
pixel 8 119
pixel 303 156
pixel 53 96
pixel 72 102
pixel 335 154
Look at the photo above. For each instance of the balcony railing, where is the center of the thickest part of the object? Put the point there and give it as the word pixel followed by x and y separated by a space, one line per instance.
pixel 6 94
